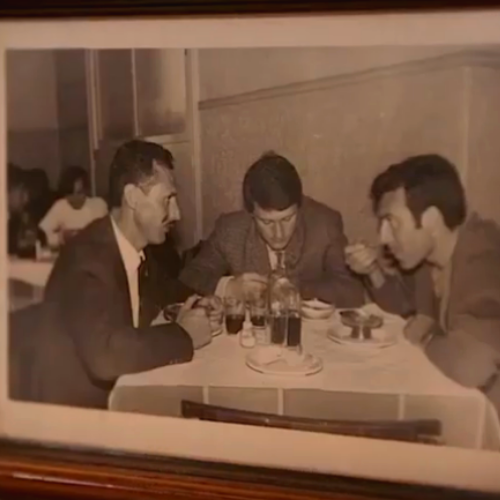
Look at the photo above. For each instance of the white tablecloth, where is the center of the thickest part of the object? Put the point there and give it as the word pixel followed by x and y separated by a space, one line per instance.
pixel 395 382
pixel 401 368
pixel 32 272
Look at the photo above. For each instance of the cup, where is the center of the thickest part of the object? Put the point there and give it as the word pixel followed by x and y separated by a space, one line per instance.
pixel 278 328
pixel 258 313
pixel 234 314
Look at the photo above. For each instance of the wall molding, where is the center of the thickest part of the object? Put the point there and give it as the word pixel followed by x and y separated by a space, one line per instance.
pixel 455 60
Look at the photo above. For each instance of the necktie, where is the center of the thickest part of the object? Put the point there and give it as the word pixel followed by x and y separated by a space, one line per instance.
pixel 142 275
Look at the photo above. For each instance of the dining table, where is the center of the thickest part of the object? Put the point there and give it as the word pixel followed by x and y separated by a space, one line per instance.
pixel 394 382
pixel 27 280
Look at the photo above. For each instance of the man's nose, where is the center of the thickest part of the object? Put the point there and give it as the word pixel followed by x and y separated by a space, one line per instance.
pixel 175 212
pixel 279 231
pixel 385 234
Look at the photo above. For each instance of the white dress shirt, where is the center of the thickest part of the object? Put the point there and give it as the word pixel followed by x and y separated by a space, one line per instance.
pixel 220 290
pixel 131 260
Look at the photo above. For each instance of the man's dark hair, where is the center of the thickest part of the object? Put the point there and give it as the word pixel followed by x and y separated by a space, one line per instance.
pixel 16 177
pixel 69 177
pixel 134 163
pixel 428 181
pixel 39 178
pixel 272 183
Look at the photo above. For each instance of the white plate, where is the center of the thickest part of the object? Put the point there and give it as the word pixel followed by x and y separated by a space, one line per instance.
pixel 272 360
pixel 381 337
pixel 317 310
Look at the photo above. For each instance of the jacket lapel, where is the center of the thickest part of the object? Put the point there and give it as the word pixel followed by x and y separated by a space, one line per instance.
pixel 256 257
pixel 119 271
pixel 467 241
pixel 295 248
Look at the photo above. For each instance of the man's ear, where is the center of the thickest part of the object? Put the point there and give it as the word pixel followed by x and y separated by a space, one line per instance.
pixel 431 218
pixel 130 197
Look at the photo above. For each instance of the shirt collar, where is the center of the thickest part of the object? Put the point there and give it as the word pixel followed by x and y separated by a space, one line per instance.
pixel 130 256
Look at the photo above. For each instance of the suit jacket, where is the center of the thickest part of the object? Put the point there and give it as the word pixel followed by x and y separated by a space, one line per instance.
pixel 315 255
pixel 465 341
pixel 86 339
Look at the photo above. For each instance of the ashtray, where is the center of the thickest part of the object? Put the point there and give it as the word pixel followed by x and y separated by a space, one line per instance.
pixel 361 324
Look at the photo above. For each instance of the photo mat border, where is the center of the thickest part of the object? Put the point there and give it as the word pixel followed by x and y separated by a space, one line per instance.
pixel 39 470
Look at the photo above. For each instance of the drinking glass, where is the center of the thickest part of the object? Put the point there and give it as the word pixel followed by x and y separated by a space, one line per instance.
pixel 258 316
pixel 258 312
pixel 234 312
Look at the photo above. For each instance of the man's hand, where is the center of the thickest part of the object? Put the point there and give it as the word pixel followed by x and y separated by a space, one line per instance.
pixel 366 261
pixel 361 258
pixel 195 321
pixel 214 309
pixel 419 328
pixel 247 287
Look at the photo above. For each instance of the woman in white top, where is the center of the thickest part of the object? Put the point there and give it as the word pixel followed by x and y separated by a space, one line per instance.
pixel 74 210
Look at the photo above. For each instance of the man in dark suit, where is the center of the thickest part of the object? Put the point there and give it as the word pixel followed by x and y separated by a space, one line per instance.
pixel 100 301
pixel 243 247
pixel 449 284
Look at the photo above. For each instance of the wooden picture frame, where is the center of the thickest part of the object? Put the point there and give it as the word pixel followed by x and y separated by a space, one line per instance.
pixel 37 470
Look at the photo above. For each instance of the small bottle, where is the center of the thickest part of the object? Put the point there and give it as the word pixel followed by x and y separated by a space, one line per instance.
pixel 247 339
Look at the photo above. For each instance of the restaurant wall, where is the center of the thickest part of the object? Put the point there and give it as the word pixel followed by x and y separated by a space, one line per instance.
pixel 229 72
pixel 482 95
pixel 341 130
pixel 47 118
pixel 72 108
pixel 32 118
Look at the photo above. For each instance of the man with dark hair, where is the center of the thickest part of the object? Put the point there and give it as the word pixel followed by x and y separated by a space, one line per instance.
pixel 244 245
pixel 97 311
pixel 17 190
pixel 17 201
pixel 450 262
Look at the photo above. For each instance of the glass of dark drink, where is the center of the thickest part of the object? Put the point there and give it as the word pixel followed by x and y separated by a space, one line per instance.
pixel 234 312
pixel 294 330
pixel 278 325
pixel 258 312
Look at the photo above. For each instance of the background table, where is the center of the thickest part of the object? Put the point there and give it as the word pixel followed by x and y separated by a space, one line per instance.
pixel 392 383
pixel 27 280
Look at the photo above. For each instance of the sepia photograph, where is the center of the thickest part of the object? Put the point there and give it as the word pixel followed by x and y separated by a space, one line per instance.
pixel 298 238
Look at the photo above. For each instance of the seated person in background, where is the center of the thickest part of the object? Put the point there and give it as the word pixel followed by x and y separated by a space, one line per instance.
pixel 242 249
pixel 95 320
pixel 22 230
pixel 74 210
pixel 450 264
pixel 41 197
pixel 17 201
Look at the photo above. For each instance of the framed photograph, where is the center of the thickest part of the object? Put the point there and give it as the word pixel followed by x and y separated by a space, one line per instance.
pixel 251 251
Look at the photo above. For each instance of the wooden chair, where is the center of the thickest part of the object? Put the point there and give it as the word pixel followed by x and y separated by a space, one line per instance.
pixel 419 431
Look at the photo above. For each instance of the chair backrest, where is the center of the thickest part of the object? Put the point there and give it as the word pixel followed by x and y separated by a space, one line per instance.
pixel 425 431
